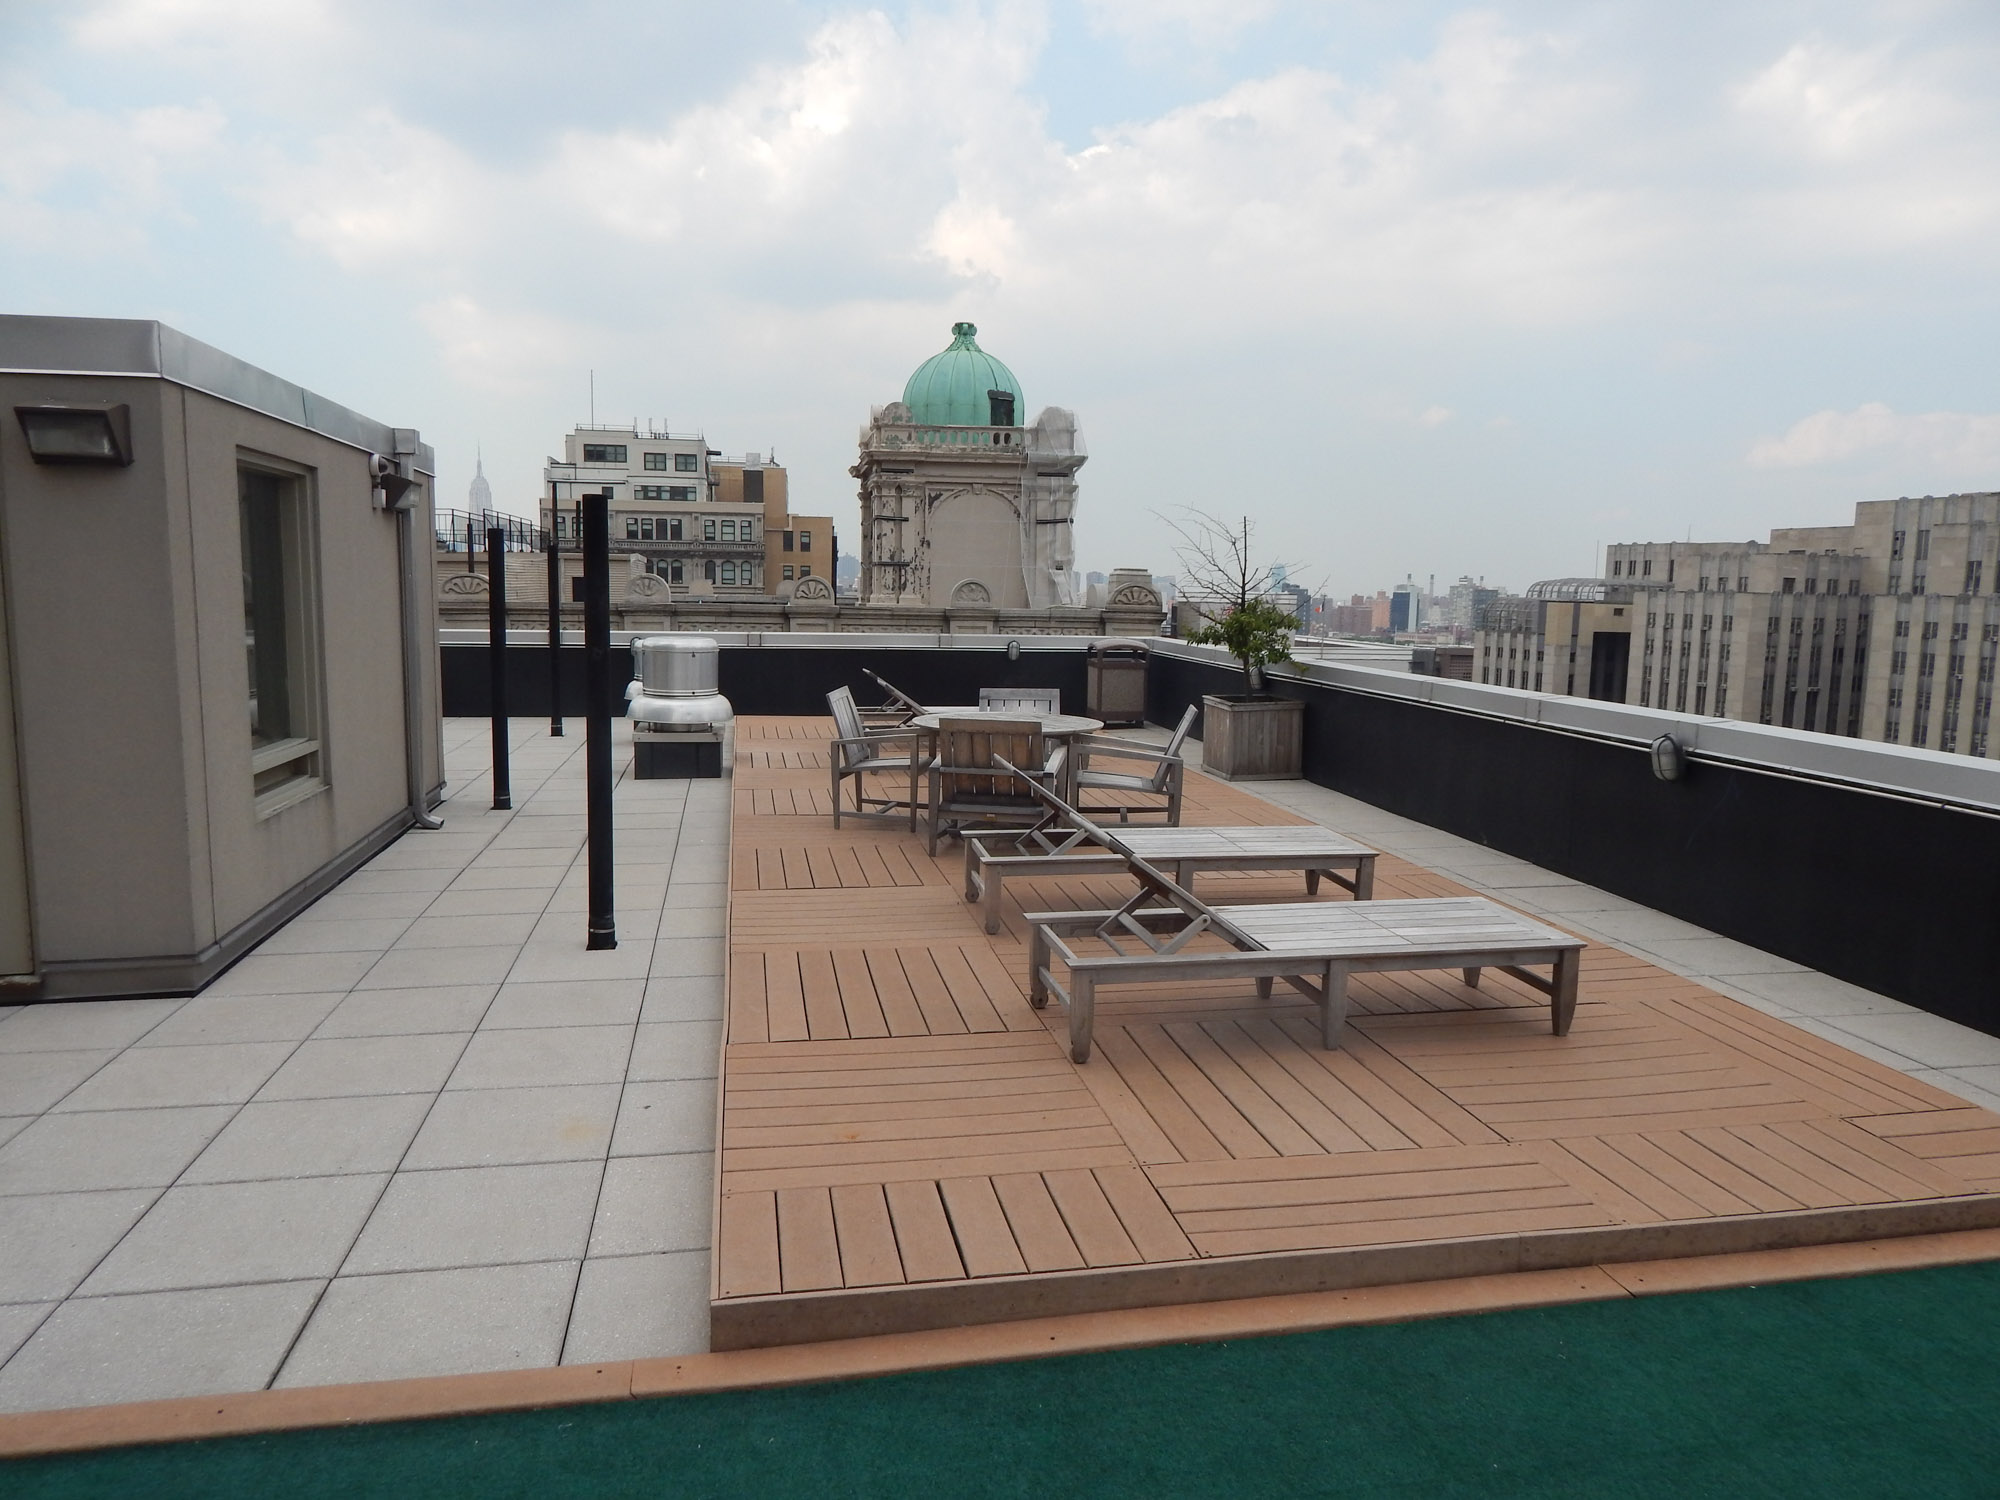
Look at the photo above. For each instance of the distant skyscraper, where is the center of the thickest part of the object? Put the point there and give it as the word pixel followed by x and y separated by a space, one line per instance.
pixel 479 494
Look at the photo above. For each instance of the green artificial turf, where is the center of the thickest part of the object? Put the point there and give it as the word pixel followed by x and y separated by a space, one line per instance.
pixel 1874 1386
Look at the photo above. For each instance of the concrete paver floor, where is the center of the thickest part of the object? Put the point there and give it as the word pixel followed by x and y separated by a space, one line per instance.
pixel 419 1131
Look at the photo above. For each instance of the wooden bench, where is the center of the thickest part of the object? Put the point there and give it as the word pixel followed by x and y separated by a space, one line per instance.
pixel 1312 946
pixel 1184 851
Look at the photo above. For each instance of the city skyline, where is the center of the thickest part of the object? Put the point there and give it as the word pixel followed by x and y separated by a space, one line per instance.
pixel 1496 287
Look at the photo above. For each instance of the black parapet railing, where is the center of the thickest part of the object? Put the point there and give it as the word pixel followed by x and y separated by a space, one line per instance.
pixel 602 930
pixel 555 637
pixel 496 661
pixel 466 531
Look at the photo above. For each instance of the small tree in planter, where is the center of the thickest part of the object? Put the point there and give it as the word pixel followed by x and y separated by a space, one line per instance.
pixel 1257 736
pixel 1219 570
pixel 1256 634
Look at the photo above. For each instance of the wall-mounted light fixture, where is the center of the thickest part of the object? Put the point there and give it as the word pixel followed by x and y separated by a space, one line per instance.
pixel 1013 651
pixel 77 434
pixel 1669 759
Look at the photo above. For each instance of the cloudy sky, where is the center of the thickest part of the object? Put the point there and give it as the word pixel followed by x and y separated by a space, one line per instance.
pixel 1420 288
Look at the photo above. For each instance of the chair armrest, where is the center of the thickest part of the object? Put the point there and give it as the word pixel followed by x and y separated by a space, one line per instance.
pixel 1091 746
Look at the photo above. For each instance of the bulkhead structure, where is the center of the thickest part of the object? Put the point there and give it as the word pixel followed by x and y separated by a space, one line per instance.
pixel 961 504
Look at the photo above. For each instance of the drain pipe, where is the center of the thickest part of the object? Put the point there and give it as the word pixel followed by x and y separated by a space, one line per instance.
pixel 413 661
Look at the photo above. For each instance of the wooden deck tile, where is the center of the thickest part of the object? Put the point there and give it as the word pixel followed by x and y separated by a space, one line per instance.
pixel 898 1123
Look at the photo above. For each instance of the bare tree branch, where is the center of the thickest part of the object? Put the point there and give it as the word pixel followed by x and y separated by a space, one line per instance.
pixel 1218 560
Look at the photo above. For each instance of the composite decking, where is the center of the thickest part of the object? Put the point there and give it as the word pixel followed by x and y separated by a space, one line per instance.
pixel 905 1143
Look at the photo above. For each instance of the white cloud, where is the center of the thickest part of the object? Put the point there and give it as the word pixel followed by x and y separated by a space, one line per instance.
pixel 1153 24
pixel 147 26
pixel 502 351
pixel 90 182
pixel 381 191
pixel 1434 416
pixel 1950 441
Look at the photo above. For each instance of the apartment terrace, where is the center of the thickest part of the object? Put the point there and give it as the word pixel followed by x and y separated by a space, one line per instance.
pixel 905 1143
pixel 420 1152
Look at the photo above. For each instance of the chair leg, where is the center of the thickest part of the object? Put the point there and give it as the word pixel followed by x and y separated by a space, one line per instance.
pixel 1472 978
pixel 836 787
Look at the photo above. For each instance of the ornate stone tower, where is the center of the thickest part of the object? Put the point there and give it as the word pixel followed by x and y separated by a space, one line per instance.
pixel 959 502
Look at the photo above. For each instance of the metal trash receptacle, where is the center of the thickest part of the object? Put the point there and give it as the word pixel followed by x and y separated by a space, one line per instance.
pixel 678 717
pixel 1116 675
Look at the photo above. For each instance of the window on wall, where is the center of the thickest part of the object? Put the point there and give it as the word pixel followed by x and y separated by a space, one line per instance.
pixel 1972 572
pixel 728 573
pixel 805 541
pixel 649 492
pixel 680 492
pixel 708 528
pixel 788 541
pixel 708 570
pixel 788 571
pixel 279 636
pixel 604 453
pixel 676 570
pixel 728 529
pixel 645 528
pixel 673 528
pixel 658 461
pixel 805 570
pixel 687 463
pixel 631 528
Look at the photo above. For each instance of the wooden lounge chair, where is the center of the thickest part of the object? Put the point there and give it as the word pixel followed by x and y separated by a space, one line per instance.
pixel 1155 791
pixel 1035 700
pixel 1054 849
pixel 988 771
pixel 857 752
pixel 1312 946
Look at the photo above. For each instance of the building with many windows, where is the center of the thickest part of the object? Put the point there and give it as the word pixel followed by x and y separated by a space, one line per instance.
pixel 795 547
pixel 1886 629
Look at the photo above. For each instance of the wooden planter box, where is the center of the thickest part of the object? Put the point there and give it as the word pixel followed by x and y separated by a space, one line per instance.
pixel 1253 739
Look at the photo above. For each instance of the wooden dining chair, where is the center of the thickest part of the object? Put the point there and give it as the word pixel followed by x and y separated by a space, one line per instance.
pixel 858 752
pixel 1147 780
pixel 964 787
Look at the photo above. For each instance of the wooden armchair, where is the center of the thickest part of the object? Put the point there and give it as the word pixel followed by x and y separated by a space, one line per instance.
pixel 857 752
pixel 1148 781
pixel 965 787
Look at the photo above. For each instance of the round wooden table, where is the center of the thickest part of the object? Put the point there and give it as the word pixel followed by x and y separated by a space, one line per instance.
pixel 1054 726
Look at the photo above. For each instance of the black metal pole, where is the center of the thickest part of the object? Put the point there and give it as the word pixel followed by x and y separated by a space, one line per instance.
pixel 472 544
pixel 496 660
pixel 603 931
pixel 555 639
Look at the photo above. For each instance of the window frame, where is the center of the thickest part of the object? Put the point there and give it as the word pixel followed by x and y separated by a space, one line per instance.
pixel 304 643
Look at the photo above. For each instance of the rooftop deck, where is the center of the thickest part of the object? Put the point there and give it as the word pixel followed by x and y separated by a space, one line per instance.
pixel 905 1144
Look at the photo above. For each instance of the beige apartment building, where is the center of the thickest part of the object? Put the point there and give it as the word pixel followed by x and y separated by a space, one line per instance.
pixel 795 547
pixel 1886 629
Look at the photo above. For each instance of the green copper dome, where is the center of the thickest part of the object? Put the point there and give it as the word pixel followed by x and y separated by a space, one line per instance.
pixel 964 387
